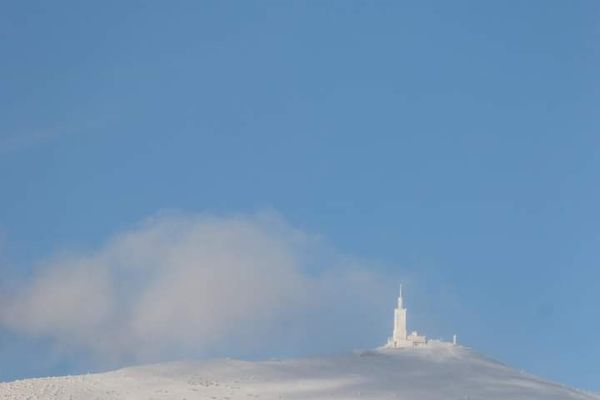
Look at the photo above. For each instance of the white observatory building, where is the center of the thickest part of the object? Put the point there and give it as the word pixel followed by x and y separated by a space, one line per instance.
pixel 400 337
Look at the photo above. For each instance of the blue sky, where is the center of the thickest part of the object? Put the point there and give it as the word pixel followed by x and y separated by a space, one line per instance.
pixel 455 143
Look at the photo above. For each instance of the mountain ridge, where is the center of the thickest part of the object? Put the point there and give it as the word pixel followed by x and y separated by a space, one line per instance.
pixel 437 371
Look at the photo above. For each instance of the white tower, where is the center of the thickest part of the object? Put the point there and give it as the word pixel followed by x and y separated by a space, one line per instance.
pixel 400 337
pixel 399 334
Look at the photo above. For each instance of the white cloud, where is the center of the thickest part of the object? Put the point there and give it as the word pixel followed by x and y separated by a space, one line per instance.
pixel 186 284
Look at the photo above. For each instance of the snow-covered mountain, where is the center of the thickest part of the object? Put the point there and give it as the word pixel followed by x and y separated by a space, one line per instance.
pixel 436 371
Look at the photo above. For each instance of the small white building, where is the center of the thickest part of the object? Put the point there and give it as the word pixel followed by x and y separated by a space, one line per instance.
pixel 400 337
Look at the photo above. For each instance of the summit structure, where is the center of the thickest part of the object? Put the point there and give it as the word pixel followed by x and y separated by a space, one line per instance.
pixel 400 336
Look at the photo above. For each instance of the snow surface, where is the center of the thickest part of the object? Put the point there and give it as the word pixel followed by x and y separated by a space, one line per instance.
pixel 432 372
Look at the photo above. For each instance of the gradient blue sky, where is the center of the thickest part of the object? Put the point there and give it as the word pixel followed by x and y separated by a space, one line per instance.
pixel 457 142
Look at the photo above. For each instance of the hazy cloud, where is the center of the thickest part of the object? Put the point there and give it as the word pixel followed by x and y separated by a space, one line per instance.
pixel 186 284
pixel 10 143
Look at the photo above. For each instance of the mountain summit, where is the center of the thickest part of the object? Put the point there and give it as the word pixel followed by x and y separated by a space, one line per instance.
pixel 434 371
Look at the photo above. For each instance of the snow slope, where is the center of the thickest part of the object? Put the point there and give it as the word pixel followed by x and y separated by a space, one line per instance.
pixel 436 371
